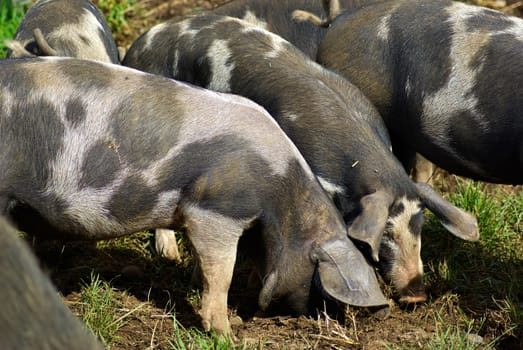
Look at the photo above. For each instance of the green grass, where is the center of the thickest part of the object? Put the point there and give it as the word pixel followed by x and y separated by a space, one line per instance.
pixel 193 338
pixel 488 274
pixel 100 309
pixel 11 13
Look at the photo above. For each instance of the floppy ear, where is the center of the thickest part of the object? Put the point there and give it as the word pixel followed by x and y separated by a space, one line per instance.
pixel 457 221
pixel 267 291
pixel 17 49
pixel 44 46
pixel 369 226
pixel 345 275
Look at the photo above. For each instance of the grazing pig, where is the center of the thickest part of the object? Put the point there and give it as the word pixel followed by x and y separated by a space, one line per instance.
pixel 94 151
pixel 445 76
pixel 73 28
pixel 335 127
pixel 33 316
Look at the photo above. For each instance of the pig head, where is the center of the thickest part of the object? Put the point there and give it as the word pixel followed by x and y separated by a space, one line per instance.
pixel 73 28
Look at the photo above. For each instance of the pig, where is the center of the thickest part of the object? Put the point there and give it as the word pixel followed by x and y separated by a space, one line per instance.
pixel 93 151
pixel 72 28
pixel 275 16
pixel 445 77
pixel 334 126
pixel 33 316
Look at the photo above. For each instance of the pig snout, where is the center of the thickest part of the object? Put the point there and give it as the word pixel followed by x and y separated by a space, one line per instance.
pixel 414 292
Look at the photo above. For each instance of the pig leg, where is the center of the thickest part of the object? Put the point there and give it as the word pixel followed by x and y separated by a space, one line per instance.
pixel 166 245
pixel 423 170
pixel 215 240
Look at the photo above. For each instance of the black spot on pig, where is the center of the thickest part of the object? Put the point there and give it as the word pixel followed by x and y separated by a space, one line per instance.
pixel 204 170
pixel 86 39
pixel 102 158
pixel 134 198
pixel 396 210
pixel 75 111
pixel 416 222
pixel 34 125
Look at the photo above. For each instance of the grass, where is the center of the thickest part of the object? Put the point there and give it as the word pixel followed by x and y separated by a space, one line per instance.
pixel 193 338
pixel 98 309
pixel 116 12
pixel 488 274
pixel 11 13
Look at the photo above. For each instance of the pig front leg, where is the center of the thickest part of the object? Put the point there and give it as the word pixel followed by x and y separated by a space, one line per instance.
pixel 166 245
pixel 215 240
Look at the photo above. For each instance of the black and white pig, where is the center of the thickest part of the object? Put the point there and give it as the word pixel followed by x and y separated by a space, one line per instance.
pixel 33 316
pixel 445 76
pixel 276 17
pixel 72 28
pixel 94 151
pixel 334 126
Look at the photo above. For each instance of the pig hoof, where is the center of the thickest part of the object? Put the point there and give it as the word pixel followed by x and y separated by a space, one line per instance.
pixel 236 321
pixel 206 325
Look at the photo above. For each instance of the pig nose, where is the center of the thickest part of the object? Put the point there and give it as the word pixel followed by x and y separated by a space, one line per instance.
pixel 414 292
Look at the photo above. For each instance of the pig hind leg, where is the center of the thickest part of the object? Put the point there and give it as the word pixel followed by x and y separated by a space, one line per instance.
pixel 215 240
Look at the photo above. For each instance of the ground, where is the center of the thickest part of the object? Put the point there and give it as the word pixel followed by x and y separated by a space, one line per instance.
pixel 151 291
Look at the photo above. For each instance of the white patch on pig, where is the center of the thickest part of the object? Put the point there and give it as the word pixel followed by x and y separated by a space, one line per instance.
pixel 218 55
pixel 383 27
pixel 176 60
pixel 331 188
pixel 185 28
pixel 278 45
pixel 457 95
pixel 89 27
pixel 152 33
pixel 8 99
pixel 406 246
pixel 291 116
pixel 251 18
pixel 408 87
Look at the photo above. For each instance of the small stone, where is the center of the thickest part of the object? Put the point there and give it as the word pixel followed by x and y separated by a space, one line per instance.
pixel 474 338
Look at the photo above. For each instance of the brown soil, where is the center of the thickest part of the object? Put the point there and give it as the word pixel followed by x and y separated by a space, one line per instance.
pixel 160 288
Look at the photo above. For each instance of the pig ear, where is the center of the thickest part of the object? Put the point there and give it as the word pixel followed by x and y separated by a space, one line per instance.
pixel 345 275
pixel 457 221
pixel 369 226
pixel 267 291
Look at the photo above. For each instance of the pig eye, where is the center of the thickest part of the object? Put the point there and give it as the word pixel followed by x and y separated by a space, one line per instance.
pixel 32 47
pixel 389 233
